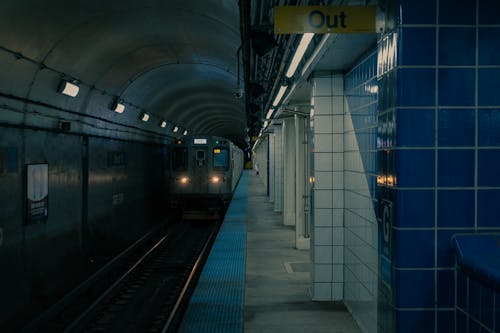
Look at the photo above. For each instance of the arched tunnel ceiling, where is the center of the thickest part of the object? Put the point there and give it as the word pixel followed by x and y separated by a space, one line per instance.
pixel 173 59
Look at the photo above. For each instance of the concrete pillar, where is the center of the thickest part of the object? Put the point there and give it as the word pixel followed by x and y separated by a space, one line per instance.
pixel 301 190
pixel 289 192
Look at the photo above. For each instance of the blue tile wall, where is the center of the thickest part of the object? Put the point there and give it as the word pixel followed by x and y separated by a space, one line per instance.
pixel 456 127
pixel 488 12
pixel 455 210
pixel 489 168
pixel 410 213
pixel 411 53
pixel 415 127
pixel 489 127
pixel 457 46
pixel 416 87
pixel 455 168
pixel 477 308
pixel 414 291
pixel 488 87
pixel 456 86
pixel 438 139
pixel 457 12
pixel 489 48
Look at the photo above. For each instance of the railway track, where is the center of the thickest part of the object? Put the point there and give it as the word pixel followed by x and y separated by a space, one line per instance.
pixel 148 296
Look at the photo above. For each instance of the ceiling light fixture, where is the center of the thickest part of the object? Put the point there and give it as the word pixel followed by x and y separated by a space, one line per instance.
pixel 269 113
pixel 280 94
pixel 299 53
pixel 175 129
pixel 185 132
pixel 163 124
pixel 144 116
pixel 68 88
pixel 118 106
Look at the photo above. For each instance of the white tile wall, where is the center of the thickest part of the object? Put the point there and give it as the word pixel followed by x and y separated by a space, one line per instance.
pixel 328 172
pixel 322 254
pixel 338 217
pixel 360 234
pixel 338 254
pixel 338 199
pixel 322 291
pixel 322 143
pixel 323 236
pixel 322 273
pixel 337 291
pixel 322 106
pixel 323 161
pixel 323 124
pixel 323 198
pixel 338 162
pixel 323 180
pixel 323 86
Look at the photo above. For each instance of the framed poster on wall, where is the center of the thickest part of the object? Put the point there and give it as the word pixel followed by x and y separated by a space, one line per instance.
pixel 37 201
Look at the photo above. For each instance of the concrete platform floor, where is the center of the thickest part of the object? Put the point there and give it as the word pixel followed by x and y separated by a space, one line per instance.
pixel 277 297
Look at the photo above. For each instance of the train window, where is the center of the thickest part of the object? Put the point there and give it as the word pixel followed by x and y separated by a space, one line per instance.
pixel 179 159
pixel 221 158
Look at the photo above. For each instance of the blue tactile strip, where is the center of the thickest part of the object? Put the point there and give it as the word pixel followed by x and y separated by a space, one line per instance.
pixel 217 302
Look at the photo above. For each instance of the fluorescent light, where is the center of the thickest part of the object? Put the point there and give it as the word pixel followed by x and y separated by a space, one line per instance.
pixel 185 132
pixel 163 124
pixel 68 88
pixel 277 100
pixel 145 116
pixel 266 123
pixel 175 129
pixel 299 53
pixel 269 113
pixel 119 108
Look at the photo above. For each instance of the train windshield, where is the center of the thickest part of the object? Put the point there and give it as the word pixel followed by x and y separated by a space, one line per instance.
pixel 221 158
pixel 179 159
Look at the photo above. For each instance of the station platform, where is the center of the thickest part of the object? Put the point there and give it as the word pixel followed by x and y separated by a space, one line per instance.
pixel 255 280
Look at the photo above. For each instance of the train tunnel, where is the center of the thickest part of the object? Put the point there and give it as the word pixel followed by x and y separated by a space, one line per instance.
pixel 372 130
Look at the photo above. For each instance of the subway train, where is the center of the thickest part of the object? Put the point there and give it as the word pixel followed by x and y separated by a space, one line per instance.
pixel 204 171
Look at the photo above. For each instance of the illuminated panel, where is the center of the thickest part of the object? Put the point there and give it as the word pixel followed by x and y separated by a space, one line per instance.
pixel 200 141
pixel 216 150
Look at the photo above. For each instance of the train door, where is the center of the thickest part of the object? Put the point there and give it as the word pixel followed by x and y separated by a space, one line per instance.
pixel 201 169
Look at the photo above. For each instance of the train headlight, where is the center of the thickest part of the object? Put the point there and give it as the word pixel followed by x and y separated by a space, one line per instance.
pixel 184 180
pixel 215 179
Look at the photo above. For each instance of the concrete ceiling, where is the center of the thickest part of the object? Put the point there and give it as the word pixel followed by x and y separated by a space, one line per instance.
pixel 339 54
pixel 174 59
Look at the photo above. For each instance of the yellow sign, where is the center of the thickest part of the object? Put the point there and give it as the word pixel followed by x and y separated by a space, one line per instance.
pixel 324 19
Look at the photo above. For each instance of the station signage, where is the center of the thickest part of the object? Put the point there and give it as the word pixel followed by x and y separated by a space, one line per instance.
pixel 324 19
pixel 37 192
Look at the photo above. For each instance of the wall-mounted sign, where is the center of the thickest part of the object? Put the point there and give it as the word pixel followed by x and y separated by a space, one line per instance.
pixel 37 203
pixel 324 19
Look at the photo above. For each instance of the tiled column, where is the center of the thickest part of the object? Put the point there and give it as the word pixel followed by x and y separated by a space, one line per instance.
pixel 439 152
pixel 272 166
pixel 302 239
pixel 289 191
pixel 278 165
pixel 327 225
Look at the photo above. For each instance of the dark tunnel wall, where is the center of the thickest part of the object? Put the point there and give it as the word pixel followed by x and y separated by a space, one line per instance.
pixel 97 206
